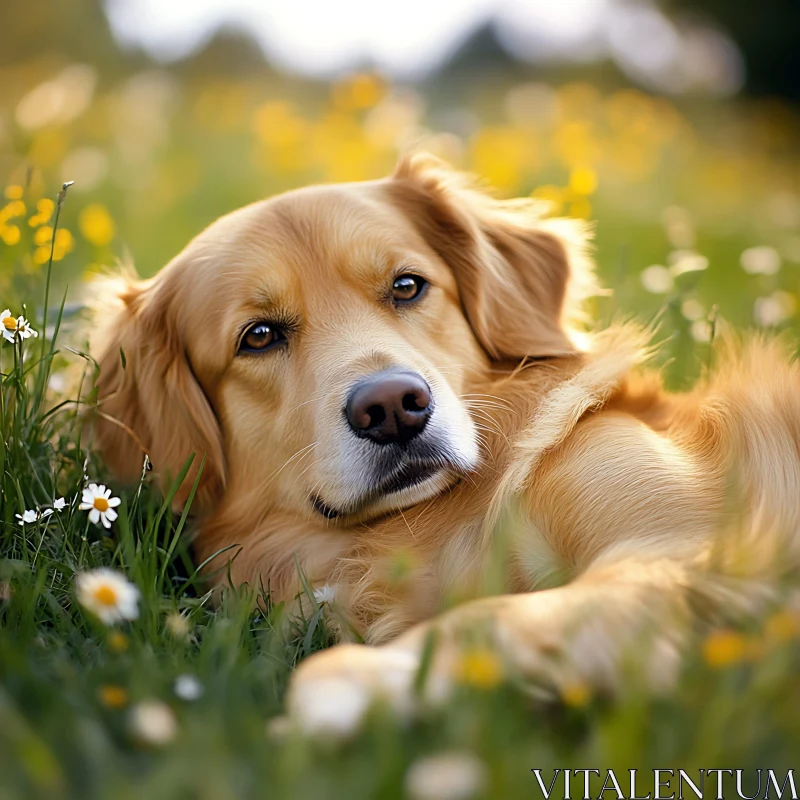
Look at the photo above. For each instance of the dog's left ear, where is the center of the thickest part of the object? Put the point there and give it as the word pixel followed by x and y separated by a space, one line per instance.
pixel 522 278
pixel 150 400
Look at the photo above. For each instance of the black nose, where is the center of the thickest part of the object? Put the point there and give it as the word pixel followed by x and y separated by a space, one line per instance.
pixel 389 407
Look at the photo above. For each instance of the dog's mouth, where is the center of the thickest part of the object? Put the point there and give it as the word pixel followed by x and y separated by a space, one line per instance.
pixel 408 475
pixel 323 508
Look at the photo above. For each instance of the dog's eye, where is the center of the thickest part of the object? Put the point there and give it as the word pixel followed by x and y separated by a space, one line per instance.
pixel 407 287
pixel 261 336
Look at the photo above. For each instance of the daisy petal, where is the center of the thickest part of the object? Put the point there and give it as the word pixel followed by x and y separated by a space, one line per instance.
pixel 113 502
pixel 94 516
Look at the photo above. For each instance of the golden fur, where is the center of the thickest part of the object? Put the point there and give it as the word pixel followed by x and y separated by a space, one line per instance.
pixel 596 502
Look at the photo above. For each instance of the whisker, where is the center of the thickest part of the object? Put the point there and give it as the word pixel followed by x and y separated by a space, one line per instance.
pixel 303 451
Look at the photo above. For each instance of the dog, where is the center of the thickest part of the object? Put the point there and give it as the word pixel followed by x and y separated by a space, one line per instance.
pixel 393 387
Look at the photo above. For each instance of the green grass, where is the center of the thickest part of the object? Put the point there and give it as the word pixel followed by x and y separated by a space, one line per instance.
pixel 63 735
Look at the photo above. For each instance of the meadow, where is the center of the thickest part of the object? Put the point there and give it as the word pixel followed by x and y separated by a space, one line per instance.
pixel 153 692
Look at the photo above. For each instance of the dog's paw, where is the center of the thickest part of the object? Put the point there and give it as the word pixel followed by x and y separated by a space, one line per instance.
pixel 332 691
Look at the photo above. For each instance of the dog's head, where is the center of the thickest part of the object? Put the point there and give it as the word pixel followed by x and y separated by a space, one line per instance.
pixel 315 348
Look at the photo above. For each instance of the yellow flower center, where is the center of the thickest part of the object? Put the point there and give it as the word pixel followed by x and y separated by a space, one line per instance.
pixel 724 647
pixel 113 696
pixel 480 668
pixel 9 323
pixel 105 595
pixel 576 694
pixel 117 642
pixel 101 504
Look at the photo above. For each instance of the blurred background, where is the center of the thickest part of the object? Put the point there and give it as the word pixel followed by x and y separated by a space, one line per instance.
pixel 673 124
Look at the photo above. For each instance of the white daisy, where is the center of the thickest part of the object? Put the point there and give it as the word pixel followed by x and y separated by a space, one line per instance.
pixel 773 310
pixel 97 500
pixel 8 326
pixel 153 722
pixel 24 330
pixel 701 330
pixel 177 624
pixel 761 260
pixel 27 517
pixel 681 261
pixel 108 595
pixel 334 706
pixel 692 310
pixel 330 707
pixel 60 504
pixel 325 594
pixel 657 279
pixel 446 776
pixel 187 687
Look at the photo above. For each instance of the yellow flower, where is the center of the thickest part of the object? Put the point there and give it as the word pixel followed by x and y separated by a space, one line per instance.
pixel 41 255
pixel 782 626
pixel 113 696
pixel 10 234
pixel 576 694
pixel 723 648
pixel 64 243
pixel 45 208
pixel 583 180
pixel 574 143
pixel 16 208
pixel 358 92
pixel 580 207
pixel 118 642
pixel 96 225
pixel 43 235
pixel 502 154
pixel 13 192
pixel 480 668
pixel 278 126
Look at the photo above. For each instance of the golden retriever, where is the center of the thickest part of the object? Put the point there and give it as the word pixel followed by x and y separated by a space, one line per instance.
pixel 390 386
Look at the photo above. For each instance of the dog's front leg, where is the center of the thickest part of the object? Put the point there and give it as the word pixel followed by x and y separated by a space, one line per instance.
pixel 579 633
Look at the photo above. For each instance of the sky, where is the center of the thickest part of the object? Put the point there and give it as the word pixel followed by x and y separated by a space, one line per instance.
pixel 407 39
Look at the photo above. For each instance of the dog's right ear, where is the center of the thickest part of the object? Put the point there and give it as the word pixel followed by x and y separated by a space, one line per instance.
pixel 149 400
pixel 522 279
